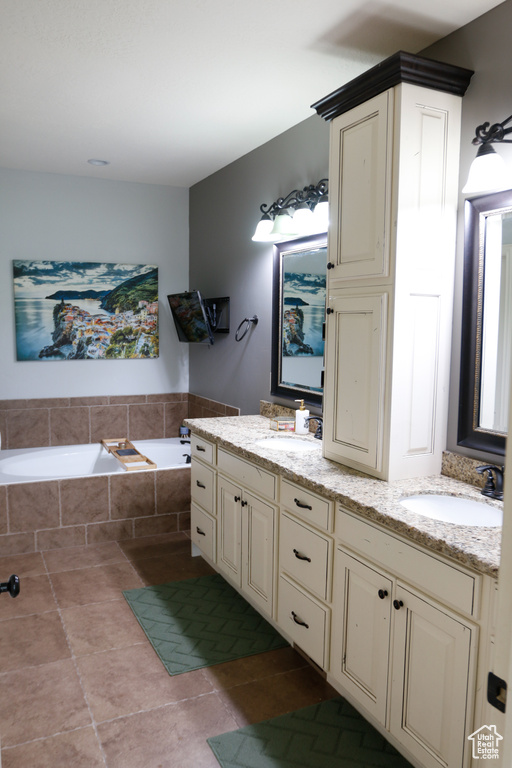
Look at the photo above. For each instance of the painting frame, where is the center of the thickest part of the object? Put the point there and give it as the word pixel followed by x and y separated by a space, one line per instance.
pixel 280 385
pixel 85 310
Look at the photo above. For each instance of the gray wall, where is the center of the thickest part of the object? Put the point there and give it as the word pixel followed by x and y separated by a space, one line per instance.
pixel 69 218
pixel 483 46
pixel 224 211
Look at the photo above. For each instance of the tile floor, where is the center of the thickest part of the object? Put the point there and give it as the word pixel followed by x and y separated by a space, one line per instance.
pixel 82 687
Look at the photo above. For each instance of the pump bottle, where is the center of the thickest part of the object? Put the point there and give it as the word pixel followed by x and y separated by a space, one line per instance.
pixel 301 414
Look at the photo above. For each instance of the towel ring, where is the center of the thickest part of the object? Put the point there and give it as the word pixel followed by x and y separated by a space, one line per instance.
pixel 247 322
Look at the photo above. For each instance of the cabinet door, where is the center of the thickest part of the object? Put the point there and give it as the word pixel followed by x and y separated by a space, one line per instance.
pixel 432 665
pixel 258 523
pixel 360 190
pixel 361 643
pixel 355 378
pixel 229 530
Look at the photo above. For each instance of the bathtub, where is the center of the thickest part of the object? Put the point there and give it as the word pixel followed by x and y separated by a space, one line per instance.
pixel 26 465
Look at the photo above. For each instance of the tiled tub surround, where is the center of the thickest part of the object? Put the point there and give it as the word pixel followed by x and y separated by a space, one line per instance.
pixel 38 423
pixel 374 499
pixel 90 510
pixel 73 512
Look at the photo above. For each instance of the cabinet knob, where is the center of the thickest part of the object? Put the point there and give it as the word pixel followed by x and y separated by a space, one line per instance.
pixel 244 503
pixel 397 604
pixel 330 265
pixel 329 311
pixel 237 498
pixel 382 593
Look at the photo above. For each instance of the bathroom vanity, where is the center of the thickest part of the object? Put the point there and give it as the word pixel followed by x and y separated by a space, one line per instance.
pixel 394 608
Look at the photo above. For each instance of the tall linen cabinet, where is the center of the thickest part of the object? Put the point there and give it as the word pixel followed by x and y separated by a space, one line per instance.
pixel 393 189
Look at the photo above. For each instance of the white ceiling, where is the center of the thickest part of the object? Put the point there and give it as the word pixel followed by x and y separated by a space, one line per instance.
pixel 170 91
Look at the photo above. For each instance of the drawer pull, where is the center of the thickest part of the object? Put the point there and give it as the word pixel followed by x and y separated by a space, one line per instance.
pixel 199 531
pixel 299 621
pixel 397 604
pixel 382 593
pixel 200 485
pixel 302 557
pixel 301 505
pixel 200 448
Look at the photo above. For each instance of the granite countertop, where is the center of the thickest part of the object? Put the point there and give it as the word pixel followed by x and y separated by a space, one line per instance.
pixel 475 547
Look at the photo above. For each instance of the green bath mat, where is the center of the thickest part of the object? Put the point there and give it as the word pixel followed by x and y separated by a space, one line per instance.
pixel 200 622
pixel 327 735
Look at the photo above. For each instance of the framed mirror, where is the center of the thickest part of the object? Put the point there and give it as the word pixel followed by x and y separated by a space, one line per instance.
pixel 486 323
pixel 298 317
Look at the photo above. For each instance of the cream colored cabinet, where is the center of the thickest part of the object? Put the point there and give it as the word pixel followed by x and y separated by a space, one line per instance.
pixel 305 570
pixel 431 690
pixel 229 537
pixel 246 525
pixel 393 193
pixel 356 349
pixel 361 647
pixel 404 656
pixel 203 479
pixel 361 159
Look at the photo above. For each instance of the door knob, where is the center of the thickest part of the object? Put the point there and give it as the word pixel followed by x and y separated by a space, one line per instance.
pixel 12 586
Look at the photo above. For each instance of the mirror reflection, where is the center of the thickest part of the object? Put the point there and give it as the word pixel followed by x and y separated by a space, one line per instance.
pixel 298 318
pixel 486 323
pixel 496 322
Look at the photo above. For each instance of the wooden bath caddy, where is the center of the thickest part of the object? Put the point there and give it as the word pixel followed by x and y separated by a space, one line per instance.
pixel 127 454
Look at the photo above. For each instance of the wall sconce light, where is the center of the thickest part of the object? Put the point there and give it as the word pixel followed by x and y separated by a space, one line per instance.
pixel 488 171
pixel 302 212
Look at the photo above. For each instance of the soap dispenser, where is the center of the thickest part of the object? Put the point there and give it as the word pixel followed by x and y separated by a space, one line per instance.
pixel 301 414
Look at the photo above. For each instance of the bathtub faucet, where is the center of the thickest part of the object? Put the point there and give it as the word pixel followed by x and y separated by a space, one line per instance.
pixel 188 458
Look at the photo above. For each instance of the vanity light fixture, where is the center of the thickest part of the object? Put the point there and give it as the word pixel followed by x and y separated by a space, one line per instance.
pixel 488 172
pixel 302 212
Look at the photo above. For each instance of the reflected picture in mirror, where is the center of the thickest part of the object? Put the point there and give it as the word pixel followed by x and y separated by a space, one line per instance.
pixel 298 318
pixel 486 323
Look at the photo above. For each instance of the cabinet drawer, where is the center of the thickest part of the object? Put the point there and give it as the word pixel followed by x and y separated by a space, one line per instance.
pixel 203 485
pixel 449 584
pixel 202 531
pixel 305 555
pixel 303 619
pixel 247 474
pixel 202 449
pixel 306 504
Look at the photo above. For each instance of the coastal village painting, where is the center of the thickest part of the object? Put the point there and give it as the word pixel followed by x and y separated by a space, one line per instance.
pixel 75 310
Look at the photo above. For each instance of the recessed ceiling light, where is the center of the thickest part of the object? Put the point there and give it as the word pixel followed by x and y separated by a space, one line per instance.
pixel 94 161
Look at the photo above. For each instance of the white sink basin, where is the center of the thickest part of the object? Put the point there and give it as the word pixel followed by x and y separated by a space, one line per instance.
pixel 452 509
pixel 286 444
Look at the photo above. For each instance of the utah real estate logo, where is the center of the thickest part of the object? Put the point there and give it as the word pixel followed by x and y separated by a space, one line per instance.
pixel 485 742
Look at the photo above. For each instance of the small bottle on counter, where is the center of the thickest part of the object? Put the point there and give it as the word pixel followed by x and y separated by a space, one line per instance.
pixel 301 414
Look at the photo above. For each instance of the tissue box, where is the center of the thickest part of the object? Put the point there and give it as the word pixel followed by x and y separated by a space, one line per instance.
pixel 282 424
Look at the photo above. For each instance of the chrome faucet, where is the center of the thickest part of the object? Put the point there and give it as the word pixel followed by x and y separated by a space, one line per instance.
pixel 320 423
pixel 493 487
